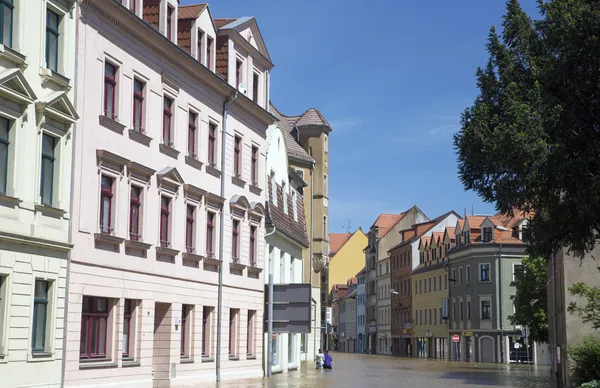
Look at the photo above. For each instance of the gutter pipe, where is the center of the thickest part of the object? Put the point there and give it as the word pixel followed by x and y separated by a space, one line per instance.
pixel 222 233
pixel 270 311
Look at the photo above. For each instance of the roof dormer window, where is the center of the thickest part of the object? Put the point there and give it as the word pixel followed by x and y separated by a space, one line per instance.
pixel 487 234
pixel 238 73
pixel 170 11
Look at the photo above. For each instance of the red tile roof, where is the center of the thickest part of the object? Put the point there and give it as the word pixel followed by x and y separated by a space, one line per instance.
pixel 312 117
pixel 190 11
pixel 294 149
pixel 385 222
pixel 337 241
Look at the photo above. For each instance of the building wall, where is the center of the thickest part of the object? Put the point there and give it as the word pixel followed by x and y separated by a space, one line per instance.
pixel 348 260
pixel 384 307
pixel 568 330
pixel 115 267
pixel 36 101
pixel 361 315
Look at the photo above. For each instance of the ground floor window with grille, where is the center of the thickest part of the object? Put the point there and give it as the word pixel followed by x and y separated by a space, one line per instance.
pixel 94 327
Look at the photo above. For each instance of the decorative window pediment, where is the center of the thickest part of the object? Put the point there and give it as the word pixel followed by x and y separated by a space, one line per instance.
pixel 194 193
pixel 139 172
pixel 15 87
pixel 109 161
pixel 257 211
pixel 239 205
pixel 58 106
pixel 169 179
pixel 214 201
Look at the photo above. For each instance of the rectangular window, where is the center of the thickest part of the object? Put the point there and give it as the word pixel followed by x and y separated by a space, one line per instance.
pixel 469 310
pixel 190 229
pixel 210 234
pixel 487 234
pixel 52 24
pixel 255 87
pixel 460 275
pixel 209 43
pixel 110 86
pixel 6 22
pixel 435 316
pixel 4 144
pixel 40 315
pixel 254 171
pixel 138 105
pixel 106 197
pixel 199 46
pixel 325 234
pixel 47 176
pixel 454 316
pixel 325 185
pixel 486 309
pixel 206 328
pixel 186 323
pixel 167 121
pixel 237 157
pixel 461 313
pixel 517 271
pixel 445 282
pixel 170 11
pixel 134 213
pixel 233 335
pixel 250 333
pixel 235 241
pixel 94 320
pixel 132 5
pixel 127 329
pixel 453 276
pixel 429 290
pixel 165 212
pixel 212 140
pixel 192 125
pixel 468 271
pixel 484 272
pixel 434 285
pixel 238 73
pixel 252 245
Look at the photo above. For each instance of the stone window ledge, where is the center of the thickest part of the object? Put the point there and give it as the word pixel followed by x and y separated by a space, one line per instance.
pixel 194 162
pixel 140 137
pixel 213 171
pixel 111 124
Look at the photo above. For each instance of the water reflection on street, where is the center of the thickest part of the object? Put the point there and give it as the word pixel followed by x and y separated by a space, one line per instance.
pixel 352 370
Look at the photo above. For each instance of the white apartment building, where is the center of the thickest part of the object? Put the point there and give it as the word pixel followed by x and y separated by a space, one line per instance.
pixel 286 237
pixel 166 279
pixel 37 59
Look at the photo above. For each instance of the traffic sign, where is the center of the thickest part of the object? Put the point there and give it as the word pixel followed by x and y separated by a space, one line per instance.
pixel 525 332
pixel 456 338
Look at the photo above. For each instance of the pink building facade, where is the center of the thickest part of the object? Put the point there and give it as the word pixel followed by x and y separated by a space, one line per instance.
pixel 168 201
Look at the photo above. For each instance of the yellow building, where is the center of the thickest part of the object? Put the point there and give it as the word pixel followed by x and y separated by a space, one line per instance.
pixel 346 257
pixel 430 282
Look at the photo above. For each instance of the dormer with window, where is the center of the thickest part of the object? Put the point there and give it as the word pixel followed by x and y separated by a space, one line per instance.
pixel 162 15
pixel 196 33
pixel 243 58
pixel 487 230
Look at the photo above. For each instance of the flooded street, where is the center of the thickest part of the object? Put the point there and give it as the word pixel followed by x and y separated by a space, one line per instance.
pixel 353 370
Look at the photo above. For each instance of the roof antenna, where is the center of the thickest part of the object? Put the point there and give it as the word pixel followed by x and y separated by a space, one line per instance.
pixel 347 227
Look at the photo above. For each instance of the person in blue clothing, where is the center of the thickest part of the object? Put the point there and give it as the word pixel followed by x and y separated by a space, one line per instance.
pixel 327 360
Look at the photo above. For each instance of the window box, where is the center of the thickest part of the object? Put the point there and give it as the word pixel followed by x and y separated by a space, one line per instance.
pixel 238 181
pixel 168 150
pixel 192 161
pixel 111 124
pixel 192 257
pixel 137 245
pixel 213 171
pixel 140 136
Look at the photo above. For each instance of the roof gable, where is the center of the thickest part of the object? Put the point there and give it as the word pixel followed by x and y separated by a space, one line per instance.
pixel 171 175
pixel 337 241
pixel 247 28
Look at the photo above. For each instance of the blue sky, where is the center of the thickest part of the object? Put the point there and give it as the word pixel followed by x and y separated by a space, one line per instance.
pixel 392 78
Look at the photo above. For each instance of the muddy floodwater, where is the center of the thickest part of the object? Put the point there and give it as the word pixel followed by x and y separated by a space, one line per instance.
pixel 353 370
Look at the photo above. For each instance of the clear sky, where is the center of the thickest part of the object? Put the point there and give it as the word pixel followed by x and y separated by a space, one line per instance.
pixel 392 78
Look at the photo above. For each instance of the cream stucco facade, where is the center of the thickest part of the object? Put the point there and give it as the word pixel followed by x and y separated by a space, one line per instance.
pixel 37 56
pixel 169 205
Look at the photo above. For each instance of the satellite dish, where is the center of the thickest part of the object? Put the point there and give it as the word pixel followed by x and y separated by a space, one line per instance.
pixel 242 87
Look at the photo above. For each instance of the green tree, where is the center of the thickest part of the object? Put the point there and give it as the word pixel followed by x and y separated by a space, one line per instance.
pixel 531 139
pixel 590 310
pixel 531 299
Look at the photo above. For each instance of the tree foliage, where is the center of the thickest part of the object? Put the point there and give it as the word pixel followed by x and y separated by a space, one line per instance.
pixel 590 310
pixel 531 139
pixel 531 299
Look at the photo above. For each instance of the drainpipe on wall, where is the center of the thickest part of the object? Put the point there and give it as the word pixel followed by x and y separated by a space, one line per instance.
pixel 222 233
pixel 501 316
pixel 310 252
pixel 270 311
pixel 70 223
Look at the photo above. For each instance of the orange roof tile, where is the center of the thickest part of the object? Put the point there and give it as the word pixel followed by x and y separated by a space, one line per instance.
pixel 437 236
pixel 424 242
pixel 190 11
pixel 385 222
pixel 451 230
pixel 337 241
pixel 475 221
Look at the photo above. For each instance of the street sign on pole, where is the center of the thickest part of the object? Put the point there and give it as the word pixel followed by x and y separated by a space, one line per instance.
pixel 456 338
pixel 525 332
pixel 328 314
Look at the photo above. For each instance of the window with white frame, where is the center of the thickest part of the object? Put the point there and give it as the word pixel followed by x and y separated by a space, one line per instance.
pixel 211 218
pixel 190 228
pixel 486 308
pixel 487 234
pixel 5 150
pixel 139 90
pixel 95 323
pixel 187 322
pixel 484 272
pixel 165 221
pixel 518 271
pixel 199 45
pixel 460 275
pixel 233 332
pixel 42 313
pixel 129 329
pixel 53 39
pixel 468 271
pixel 207 331
pixel 235 240
pixel 106 204
pixel 135 213
pixel 6 22
pixel 3 312
pixel 110 90
pixel 47 178
pixel 167 133
pixel 250 336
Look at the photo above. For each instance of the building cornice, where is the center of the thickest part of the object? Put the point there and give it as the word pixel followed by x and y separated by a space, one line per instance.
pixel 35 242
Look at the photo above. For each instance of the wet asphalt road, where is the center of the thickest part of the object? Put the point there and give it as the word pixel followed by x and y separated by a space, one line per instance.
pixel 353 370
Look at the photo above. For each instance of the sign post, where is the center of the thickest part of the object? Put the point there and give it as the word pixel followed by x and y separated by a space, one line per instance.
pixel 456 338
